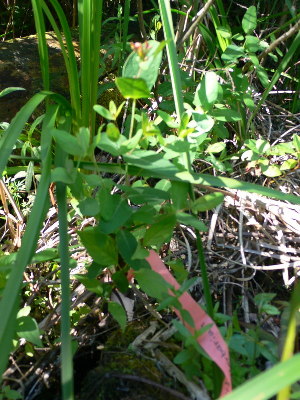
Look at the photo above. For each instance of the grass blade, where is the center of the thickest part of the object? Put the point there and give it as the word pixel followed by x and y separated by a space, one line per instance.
pixel 166 17
pixel 89 14
pixel 16 126
pixel 136 169
pixel 66 342
pixel 9 301
pixel 293 51
pixel 125 24
pixel 42 44
pixel 289 344
pixel 67 49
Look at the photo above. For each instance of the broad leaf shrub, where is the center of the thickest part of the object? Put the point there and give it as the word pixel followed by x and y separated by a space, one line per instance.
pixel 136 219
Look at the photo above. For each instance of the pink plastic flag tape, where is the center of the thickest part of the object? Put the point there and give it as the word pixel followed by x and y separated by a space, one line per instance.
pixel 211 341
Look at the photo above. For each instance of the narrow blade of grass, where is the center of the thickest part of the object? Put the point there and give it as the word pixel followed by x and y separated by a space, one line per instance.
pixel 292 51
pixel 15 128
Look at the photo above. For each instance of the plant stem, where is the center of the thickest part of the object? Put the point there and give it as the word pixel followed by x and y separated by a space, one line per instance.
pixel 132 118
pixel 130 136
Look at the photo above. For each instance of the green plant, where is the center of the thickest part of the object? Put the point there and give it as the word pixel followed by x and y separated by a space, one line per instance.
pixel 262 157
pixel 142 213
pixel 9 394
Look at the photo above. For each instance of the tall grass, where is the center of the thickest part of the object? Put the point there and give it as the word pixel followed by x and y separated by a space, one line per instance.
pixel 79 112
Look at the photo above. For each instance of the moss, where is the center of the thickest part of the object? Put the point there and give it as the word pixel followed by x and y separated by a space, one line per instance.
pixel 119 339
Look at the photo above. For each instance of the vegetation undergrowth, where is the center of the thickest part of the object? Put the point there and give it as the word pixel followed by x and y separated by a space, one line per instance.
pixel 123 178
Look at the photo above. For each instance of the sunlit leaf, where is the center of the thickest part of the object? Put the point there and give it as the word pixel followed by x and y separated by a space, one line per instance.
pixel 10 90
pixel 112 132
pixel 191 220
pixel 249 20
pixel 207 91
pixel 133 88
pixel 233 53
pixel 207 202
pixel 118 313
pixel 216 147
pixel 28 329
pixel 104 112
pixel 144 62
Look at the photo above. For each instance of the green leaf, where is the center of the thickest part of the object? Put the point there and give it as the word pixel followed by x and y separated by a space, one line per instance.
pixel 89 207
pixel 271 171
pixel 10 393
pixel 262 75
pixel 101 247
pixel 118 313
pixel 28 329
pixel 224 32
pixel 288 164
pixel 259 146
pixel 151 164
pixel 147 66
pixel 10 90
pixel 128 246
pixel 133 88
pixel 249 20
pixel 281 149
pixel 269 309
pixel 171 123
pixel 150 160
pixel 112 147
pixel 221 130
pixel 63 175
pixel 104 112
pixel 238 36
pixel 216 147
pixel 45 255
pixel 248 100
pixel 94 285
pixel 67 142
pixel 179 270
pixel 83 138
pixel 142 195
pixel 161 231
pixel 152 283
pixel 226 115
pixel 201 122
pixel 144 215
pixel 179 193
pixel 190 220
pixel 112 132
pixel 252 43
pixel 163 184
pixel 207 202
pixel 23 312
pixel 232 53
pixel 120 280
pixel 219 181
pixel 296 142
pixel 183 356
pixel 9 303
pixel 207 91
pixel 119 214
